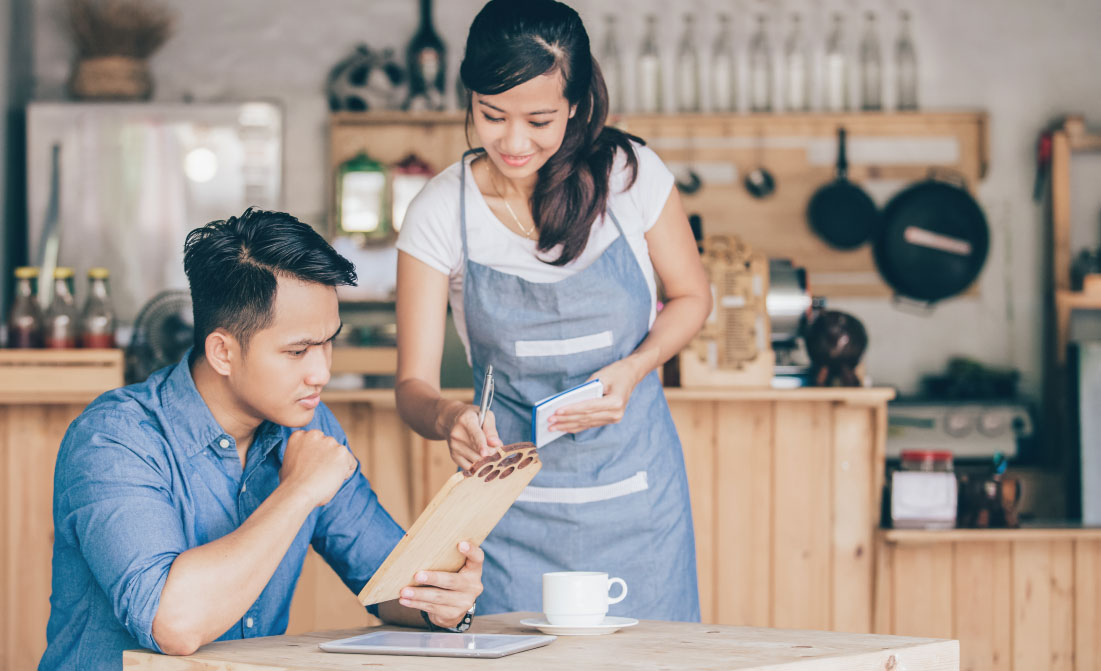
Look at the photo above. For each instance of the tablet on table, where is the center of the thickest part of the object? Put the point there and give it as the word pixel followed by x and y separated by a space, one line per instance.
pixel 436 644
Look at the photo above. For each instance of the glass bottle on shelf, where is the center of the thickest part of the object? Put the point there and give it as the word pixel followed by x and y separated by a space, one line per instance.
pixel 612 67
pixel 649 70
pixel 797 68
pixel 25 315
pixel 688 70
pixel 835 94
pixel 871 67
pixel 97 320
pixel 724 69
pixel 760 68
pixel 906 66
pixel 426 58
pixel 60 331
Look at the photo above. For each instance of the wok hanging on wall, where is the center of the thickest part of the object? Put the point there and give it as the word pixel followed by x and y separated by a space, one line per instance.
pixel 934 240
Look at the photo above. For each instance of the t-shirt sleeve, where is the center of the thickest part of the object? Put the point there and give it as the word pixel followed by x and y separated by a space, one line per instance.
pixel 652 187
pixel 431 232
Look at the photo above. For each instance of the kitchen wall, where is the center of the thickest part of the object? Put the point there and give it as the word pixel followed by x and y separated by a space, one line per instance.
pixel 1024 61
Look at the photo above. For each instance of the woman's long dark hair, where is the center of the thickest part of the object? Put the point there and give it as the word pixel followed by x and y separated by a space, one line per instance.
pixel 513 41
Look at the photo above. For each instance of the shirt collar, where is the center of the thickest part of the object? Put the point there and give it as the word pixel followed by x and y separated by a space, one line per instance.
pixel 192 423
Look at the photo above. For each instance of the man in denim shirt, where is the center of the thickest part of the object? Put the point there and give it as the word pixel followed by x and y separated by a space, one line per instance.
pixel 184 505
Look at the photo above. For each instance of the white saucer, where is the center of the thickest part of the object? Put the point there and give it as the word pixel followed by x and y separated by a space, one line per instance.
pixel 609 625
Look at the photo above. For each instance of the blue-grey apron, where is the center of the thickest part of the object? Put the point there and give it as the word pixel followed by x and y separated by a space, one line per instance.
pixel 612 498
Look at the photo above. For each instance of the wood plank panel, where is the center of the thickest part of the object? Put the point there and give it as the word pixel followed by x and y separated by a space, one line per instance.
pixel 801 551
pixel 883 615
pixel 1087 605
pixel 695 424
pixel 743 496
pixel 33 436
pixel 389 464
pixel 854 520
pixel 1061 615
pixel 981 626
pixel 922 585
pixel 1031 605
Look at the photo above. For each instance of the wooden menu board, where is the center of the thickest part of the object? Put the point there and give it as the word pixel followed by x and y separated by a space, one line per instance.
pixel 467 507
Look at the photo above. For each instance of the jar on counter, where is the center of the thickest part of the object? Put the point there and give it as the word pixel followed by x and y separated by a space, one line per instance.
pixel 929 461
pixel 25 316
pixel 62 315
pixel 97 322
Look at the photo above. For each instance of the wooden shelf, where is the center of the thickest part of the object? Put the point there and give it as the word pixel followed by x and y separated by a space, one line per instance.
pixel 799 149
pixel 921 536
pixel 1066 302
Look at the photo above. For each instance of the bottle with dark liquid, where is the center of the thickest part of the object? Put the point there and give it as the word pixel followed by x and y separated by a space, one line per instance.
pixel 97 322
pixel 427 62
pixel 25 316
pixel 62 316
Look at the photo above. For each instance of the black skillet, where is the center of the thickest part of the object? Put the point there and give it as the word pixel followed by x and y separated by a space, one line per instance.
pixel 934 240
pixel 840 212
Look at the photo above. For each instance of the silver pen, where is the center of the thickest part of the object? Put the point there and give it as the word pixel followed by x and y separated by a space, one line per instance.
pixel 487 395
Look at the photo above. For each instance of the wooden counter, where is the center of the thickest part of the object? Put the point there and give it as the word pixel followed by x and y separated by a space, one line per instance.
pixel 1015 598
pixel 652 645
pixel 784 485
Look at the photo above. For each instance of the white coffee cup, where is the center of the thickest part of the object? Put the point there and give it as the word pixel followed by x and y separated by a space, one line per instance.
pixel 579 598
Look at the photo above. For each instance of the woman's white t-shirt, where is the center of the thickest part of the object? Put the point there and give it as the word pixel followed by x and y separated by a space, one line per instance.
pixel 431 231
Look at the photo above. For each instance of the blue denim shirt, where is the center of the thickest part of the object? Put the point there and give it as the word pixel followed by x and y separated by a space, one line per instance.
pixel 145 473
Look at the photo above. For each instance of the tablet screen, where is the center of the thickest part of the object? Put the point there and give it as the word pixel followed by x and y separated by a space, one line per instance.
pixel 432 644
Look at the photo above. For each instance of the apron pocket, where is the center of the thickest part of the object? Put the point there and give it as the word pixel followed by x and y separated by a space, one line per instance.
pixel 635 483
pixel 566 346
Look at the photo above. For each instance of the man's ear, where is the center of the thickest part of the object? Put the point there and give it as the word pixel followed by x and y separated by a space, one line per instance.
pixel 222 351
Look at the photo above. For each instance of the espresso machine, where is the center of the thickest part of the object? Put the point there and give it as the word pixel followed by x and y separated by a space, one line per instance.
pixel 790 309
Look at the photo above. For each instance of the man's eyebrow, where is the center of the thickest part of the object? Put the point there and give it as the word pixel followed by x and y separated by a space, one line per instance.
pixel 547 111
pixel 311 343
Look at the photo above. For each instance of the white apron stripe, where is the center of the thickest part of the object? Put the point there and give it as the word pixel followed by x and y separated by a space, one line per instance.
pixel 635 483
pixel 567 346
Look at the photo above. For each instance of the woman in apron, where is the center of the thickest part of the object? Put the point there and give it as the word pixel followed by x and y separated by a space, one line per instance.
pixel 546 242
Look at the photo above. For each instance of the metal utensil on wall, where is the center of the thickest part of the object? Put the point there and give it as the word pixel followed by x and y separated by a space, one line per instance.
pixel 759 182
pixel 687 179
pixel 49 243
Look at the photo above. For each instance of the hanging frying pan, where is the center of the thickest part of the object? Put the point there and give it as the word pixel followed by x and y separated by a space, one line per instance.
pixel 934 240
pixel 840 212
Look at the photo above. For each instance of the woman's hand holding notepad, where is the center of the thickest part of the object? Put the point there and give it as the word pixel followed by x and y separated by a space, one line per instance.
pixel 542 411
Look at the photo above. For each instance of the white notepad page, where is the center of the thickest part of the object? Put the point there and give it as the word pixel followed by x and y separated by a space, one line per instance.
pixel 541 412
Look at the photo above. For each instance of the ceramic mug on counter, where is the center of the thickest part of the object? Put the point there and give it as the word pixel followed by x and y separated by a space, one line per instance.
pixel 579 598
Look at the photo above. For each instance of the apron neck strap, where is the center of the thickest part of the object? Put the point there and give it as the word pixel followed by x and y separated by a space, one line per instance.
pixel 462 195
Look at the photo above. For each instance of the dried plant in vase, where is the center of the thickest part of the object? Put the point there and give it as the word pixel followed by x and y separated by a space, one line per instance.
pixel 114 39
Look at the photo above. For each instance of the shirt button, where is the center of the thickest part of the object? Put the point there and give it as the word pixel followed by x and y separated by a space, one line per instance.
pixel 248 623
pixel 244 488
pixel 223 442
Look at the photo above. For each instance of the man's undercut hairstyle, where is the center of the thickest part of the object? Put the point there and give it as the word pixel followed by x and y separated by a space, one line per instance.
pixel 232 267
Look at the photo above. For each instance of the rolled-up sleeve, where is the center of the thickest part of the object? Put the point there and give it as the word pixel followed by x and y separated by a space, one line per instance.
pixel 354 533
pixel 119 511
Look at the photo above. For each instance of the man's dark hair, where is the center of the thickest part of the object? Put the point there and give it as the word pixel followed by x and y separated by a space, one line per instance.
pixel 232 266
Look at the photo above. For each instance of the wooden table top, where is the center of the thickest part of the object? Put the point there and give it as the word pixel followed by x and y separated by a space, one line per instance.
pixel 650 644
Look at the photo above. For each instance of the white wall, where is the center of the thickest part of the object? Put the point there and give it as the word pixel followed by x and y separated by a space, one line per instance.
pixel 1024 61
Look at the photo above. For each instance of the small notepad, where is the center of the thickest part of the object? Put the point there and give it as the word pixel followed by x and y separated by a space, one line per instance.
pixel 540 414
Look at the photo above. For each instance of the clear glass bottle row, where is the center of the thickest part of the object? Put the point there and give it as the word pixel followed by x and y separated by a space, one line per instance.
pixel 797 69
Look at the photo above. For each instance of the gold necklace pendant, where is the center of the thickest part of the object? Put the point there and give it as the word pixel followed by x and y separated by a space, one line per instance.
pixel 526 232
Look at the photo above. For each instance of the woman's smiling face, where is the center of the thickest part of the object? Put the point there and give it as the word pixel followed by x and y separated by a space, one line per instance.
pixel 521 128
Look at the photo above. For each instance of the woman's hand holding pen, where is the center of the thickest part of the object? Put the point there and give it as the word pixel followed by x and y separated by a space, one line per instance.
pixel 619 379
pixel 467 441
